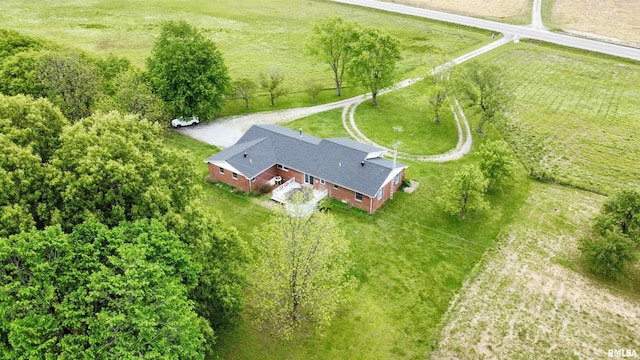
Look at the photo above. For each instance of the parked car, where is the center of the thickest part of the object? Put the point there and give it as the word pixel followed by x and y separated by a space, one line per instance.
pixel 180 122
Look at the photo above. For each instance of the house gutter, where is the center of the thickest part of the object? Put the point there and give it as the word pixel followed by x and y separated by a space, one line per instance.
pixel 370 205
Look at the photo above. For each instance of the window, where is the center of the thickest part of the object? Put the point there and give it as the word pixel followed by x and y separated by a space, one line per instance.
pixel 234 176
pixel 336 187
pixel 358 197
pixel 221 171
pixel 380 194
pixel 396 180
pixel 309 179
pixel 282 167
pixel 322 181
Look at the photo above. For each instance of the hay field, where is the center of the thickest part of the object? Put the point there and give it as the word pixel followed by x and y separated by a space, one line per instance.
pixel 495 9
pixel 617 19
pixel 526 304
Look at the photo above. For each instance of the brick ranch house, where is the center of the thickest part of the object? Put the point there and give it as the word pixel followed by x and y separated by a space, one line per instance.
pixel 352 172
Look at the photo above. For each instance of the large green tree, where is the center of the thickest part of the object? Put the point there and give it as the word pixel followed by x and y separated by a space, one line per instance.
pixel 301 272
pixel 464 192
pixel 71 81
pixel 610 246
pixel 188 71
pixel 332 43
pixel 98 293
pixel 29 135
pixel 497 163
pixel 483 89
pixel 373 63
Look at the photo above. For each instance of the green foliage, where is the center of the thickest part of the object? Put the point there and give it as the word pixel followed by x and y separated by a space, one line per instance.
pixel 483 89
pixel 111 168
pixel 29 131
pixel 609 247
pixel 70 81
pixel 245 88
pixel 325 204
pixel 438 94
pixel 609 254
pixel 332 43
pixel 497 163
pixel 32 123
pixel 12 42
pixel 464 192
pixel 188 71
pixel 98 293
pixel 132 93
pixel 621 213
pixel 263 188
pixel 373 64
pixel 301 272
pixel 271 82
pixel 19 73
pixel 313 88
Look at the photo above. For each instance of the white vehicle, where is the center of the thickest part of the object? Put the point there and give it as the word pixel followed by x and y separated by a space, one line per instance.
pixel 180 122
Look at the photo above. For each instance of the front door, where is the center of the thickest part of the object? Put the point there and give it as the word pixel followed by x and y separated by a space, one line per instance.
pixel 308 179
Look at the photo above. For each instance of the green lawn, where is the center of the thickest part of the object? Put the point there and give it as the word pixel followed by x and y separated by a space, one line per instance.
pixel 411 259
pixel 410 109
pixel 327 124
pixel 574 113
pixel 253 35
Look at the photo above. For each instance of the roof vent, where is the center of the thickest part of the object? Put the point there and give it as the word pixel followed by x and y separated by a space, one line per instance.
pixel 362 163
pixel 245 154
pixel 300 131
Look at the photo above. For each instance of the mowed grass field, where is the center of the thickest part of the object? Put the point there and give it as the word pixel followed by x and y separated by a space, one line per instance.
pixel 253 35
pixel 575 115
pixel 532 297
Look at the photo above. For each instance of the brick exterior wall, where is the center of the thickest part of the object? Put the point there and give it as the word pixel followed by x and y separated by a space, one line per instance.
pixel 347 196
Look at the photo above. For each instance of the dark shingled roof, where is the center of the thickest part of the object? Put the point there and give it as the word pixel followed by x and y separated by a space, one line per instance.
pixel 337 160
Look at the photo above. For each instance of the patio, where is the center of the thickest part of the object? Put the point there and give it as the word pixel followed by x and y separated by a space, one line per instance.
pixel 311 197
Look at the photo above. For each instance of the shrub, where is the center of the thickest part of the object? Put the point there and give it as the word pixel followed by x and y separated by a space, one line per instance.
pixel 609 254
pixel 263 188
pixel 325 204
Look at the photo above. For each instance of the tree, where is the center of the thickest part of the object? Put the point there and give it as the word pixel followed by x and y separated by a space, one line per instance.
pixel 114 168
pixel 29 135
pixel 132 93
pixel 313 88
pixel 246 89
pixel 332 42
pixel 438 94
pixel 609 254
pixel 71 82
pixel 19 73
pixel 621 213
pixel 271 82
pixel 12 42
pixel 483 89
pixel 301 273
pixel 188 71
pixel 609 246
pixel 497 163
pixel 464 192
pixel 99 292
pixel 374 60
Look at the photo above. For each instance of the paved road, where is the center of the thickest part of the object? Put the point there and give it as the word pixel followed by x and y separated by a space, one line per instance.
pixel 528 31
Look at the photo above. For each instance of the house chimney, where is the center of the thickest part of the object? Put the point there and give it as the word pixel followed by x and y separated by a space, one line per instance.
pixel 245 154
pixel 300 130
pixel 362 163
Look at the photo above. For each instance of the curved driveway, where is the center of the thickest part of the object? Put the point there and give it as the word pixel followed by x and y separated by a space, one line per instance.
pixel 225 132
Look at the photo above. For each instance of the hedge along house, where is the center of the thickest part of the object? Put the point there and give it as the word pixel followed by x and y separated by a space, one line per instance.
pixel 352 172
